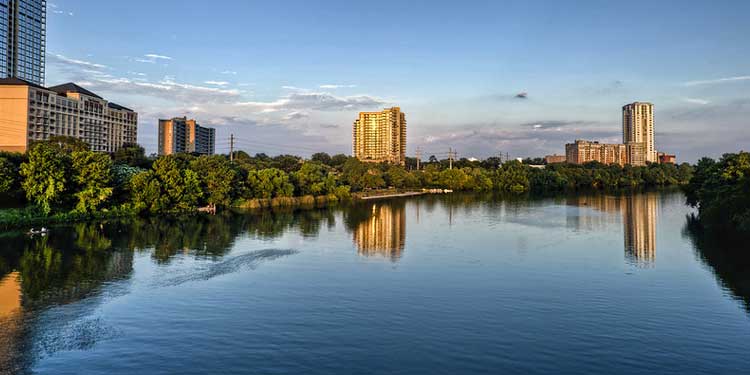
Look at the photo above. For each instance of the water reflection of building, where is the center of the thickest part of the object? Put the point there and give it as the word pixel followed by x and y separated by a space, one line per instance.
pixel 383 233
pixel 10 320
pixel 639 223
pixel 638 215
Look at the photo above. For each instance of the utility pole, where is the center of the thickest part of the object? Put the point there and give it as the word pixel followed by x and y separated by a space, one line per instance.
pixel 450 158
pixel 419 156
pixel 231 147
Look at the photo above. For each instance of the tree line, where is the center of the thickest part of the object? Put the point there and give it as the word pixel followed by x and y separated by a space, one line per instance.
pixel 721 192
pixel 62 175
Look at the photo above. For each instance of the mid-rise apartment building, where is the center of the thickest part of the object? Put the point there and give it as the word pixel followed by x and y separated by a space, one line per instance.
pixel 23 38
pixel 582 152
pixel 380 136
pixel 638 127
pixel 665 158
pixel 555 159
pixel 30 112
pixel 180 135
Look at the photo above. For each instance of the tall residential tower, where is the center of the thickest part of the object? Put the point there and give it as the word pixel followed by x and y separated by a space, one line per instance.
pixel 180 135
pixel 380 137
pixel 638 131
pixel 23 38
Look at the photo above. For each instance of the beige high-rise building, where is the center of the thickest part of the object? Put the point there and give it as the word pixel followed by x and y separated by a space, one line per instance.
pixel 180 135
pixel 29 112
pixel 380 136
pixel 638 127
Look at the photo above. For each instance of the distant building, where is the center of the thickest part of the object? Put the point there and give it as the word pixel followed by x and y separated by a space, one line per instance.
pixel 180 135
pixel 29 112
pixel 555 159
pixel 23 34
pixel 638 128
pixel 667 158
pixel 582 152
pixel 380 136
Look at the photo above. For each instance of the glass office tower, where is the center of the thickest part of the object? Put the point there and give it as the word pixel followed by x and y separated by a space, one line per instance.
pixel 23 38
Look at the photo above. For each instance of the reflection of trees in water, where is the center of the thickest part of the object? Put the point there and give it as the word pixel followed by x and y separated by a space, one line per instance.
pixel 203 235
pixel 272 224
pixel 74 262
pixel 51 271
pixel 727 257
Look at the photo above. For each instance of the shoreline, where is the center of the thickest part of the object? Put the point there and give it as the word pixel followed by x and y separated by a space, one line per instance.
pixel 22 221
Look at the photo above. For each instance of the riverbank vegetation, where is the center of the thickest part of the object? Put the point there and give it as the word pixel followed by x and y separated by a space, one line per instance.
pixel 62 179
pixel 721 192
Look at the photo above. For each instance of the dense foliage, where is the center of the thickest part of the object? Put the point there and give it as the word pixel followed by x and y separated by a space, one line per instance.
pixel 721 192
pixel 62 175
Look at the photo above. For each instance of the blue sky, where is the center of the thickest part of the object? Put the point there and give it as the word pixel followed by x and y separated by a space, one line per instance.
pixel 291 76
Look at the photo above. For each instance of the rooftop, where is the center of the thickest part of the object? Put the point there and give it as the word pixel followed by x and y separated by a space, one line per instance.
pixel 72 87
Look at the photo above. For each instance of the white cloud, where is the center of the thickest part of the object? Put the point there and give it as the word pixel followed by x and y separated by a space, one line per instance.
pixel 230 72
pixel 166 89
pixel 719 80
pixel 216 83
pixel 317 102
pixel 152 58
pixel 696 101
pixel 157 57
pixel 294 88
pixel 62 60
pixel 330 86
pixel 295 115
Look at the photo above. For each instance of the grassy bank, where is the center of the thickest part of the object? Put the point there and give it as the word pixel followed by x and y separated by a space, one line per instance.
pixel 304 202
pixel 29 217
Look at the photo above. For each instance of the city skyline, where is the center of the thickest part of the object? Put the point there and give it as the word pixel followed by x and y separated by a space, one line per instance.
pixel 527 93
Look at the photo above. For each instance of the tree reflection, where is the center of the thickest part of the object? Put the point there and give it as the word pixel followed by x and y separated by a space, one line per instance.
pixel 727 257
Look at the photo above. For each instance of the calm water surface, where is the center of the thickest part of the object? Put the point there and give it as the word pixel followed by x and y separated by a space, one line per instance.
pixel 454 284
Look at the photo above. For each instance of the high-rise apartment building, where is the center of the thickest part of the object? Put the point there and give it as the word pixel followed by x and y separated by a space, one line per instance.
pixel 638 127
pixel 180 135
pixel 23 38
pixel 29 112
pixel 380 136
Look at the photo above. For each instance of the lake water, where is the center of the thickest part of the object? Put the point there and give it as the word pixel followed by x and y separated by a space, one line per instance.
pixel 454 284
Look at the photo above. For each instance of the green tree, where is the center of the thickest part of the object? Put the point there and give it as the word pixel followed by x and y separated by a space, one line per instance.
pixel 321 157
pixel 131 154
pixel 512 177
pixel 68 144
pixel 92 174
pixel 45 175
pixel 362 176
pixel 8 175
pixel 169 187
pixel 269 183
pixel 721 192
pixel 287 163
pixel 454 179
pixel 313 179
pixel 338 160
pixel 217 177
pixel 400 178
